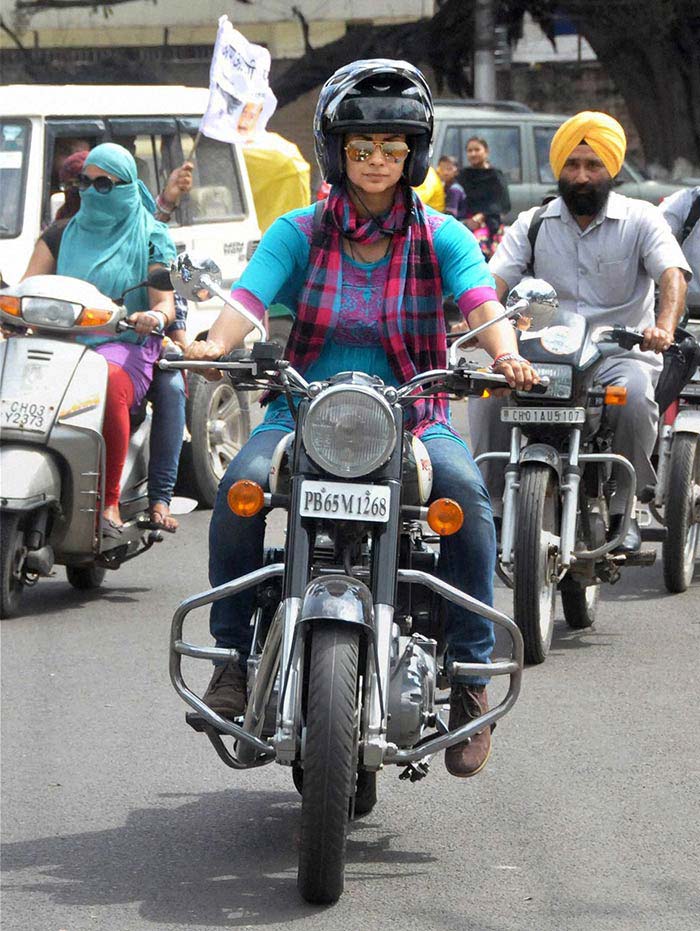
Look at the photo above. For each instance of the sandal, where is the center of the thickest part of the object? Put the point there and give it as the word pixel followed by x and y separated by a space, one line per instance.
pixel 110 528
pixel 160 515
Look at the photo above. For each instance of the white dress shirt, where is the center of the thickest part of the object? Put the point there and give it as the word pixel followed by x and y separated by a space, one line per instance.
pixel 605 272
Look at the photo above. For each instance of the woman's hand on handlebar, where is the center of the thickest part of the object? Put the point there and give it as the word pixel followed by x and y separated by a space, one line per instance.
pixel 204 350
pixel 145 322
pixel 518 372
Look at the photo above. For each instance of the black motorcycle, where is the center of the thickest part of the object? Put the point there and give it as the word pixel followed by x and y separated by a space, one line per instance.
pixel 560 476
pixel 347 649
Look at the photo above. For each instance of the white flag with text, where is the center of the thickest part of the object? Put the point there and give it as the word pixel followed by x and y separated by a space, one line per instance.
pixel 240 99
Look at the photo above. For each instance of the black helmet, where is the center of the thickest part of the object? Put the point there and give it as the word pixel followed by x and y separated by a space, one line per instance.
pixel 376 95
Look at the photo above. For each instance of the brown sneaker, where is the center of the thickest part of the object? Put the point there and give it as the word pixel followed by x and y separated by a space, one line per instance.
pixel 469 757
pixel 226 693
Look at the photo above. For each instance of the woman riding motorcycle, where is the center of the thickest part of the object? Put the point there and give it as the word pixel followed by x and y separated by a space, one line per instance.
pixel 113 242
pixel 364 282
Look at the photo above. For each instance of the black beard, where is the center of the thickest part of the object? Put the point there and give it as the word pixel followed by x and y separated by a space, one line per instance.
pixel 585 200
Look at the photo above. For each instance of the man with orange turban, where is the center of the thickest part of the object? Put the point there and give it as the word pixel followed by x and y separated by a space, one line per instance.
pixel 603 253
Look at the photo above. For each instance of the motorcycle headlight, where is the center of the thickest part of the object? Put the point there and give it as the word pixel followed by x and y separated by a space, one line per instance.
pixel 46 311
pixel 349 432
pixel 561 380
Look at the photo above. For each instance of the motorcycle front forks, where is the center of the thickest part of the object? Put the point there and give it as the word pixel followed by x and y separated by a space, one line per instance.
pixel 571 467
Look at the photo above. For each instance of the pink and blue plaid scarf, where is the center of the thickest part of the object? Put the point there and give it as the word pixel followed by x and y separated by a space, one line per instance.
pixel 412 326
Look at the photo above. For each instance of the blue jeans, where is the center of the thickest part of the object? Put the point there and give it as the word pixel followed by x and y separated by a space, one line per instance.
pixel 467 559
pixel 167 395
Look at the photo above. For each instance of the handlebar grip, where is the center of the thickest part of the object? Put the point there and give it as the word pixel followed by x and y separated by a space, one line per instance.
pixel 626 339
pixel 122 325
pixel 236 355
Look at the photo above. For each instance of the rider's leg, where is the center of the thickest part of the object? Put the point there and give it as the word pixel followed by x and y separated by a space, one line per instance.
pixel 236 544
pixel 636 422
pixel 167 395
pixel 487 435
pixel 467 561
pixel 120 397
pixel 468 557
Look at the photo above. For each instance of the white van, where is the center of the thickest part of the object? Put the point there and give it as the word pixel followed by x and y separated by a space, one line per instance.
pixel 39 123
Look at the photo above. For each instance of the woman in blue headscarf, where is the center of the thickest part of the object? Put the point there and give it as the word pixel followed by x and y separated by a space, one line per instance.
pixel 113 242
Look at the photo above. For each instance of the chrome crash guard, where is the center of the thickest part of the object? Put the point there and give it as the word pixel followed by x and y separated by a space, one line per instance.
pixel 286 656
pixel 568 467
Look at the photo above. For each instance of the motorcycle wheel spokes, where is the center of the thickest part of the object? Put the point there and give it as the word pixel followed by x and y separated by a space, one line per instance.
pixel 683 531
pixel 330 760
pixel 534 589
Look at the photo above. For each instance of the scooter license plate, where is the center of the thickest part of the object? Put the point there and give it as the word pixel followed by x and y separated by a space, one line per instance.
pixel 342 501
pixel 544 415
pixel 23 415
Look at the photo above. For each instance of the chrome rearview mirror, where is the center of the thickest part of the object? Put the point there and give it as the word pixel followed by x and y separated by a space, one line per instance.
pixel 541 298
pixel 193 278
pixel 200 280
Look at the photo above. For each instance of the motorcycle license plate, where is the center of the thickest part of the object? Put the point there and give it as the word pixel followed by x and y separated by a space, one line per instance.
pixel 23 415
pixel 341 501
pixel 545 415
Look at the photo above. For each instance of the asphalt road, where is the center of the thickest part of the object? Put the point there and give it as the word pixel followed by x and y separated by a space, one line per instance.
pixel 117 817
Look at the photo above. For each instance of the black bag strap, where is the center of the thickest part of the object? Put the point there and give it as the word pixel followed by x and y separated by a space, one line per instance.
pixel 533 230
pixel 316 227
pixel 690 220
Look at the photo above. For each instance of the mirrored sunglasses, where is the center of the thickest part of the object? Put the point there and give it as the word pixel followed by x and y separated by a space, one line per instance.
pixel 102 184
pixel 359 150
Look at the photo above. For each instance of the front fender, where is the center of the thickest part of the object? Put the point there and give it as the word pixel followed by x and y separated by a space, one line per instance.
pixel 30 478
pixel 541 452
pixel 337 598
pixel 687 422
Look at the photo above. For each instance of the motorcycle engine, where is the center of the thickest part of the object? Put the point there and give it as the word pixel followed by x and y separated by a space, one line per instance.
pixel 412 690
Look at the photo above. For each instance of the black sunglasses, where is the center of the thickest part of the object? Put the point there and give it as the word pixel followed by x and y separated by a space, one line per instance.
pixel 102 184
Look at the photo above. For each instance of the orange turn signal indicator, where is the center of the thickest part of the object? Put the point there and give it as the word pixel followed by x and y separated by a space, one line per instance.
pixel 615 394
pixel 445 517
pixel 486 393
pixel 246 498
pixel 90 316
pixel 11 305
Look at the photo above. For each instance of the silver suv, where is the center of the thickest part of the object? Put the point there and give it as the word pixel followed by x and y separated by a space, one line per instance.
pixel 518 140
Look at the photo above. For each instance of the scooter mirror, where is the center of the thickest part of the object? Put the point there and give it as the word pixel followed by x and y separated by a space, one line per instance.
pixel 160 279
pixel 541 297
pixel 192 278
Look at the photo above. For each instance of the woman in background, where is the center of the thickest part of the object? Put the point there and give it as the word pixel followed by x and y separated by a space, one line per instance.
pixel 486 189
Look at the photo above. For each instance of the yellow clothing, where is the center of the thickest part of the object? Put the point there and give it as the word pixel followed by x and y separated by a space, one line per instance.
pixel 279 177
pixel 600 131
pixel 432 191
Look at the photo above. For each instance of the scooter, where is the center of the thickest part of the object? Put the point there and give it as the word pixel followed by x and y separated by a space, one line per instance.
pixel 52 451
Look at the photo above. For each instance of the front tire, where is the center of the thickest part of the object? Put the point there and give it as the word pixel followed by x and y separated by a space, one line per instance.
pixel 330 761
pixel 11 557
pixel 218 418
pixel 85 578
pixel 534 589
pixel 683 531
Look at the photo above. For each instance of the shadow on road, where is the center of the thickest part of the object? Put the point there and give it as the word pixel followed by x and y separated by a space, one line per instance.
pixel 221 860
pixel 565 638
pixel 52 599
